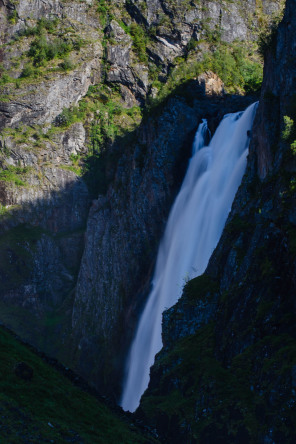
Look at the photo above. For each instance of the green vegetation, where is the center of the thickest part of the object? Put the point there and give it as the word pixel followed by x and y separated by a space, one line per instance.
pixel 76 166
pixel 267 39
pixel 51 41
pixel 3 210
pixel 48 407
pixel 5 78
pixel 268 25
pixel 140 39
pixel 33 135
pixel 5 98
pixel 293 148
pixel 42 50
pixel 288 127
pixel 289 133
pixel 66 64
pixel 14 175
pixel 30 71
pixel 69 116
pixel 109 118
pixel 42 25
pixel 13 17
pixel 104 11
pixel 104 118
pixel 239 72
pixel 236 69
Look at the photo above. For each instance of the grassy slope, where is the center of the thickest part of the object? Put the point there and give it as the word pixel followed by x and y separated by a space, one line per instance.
pixel 49 408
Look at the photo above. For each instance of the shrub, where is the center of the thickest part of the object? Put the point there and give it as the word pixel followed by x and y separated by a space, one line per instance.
pixel 103 10
pixel 15 175
pixel 13 17
pixel 78 44
pixel 41 50
pixel 43 24
pixel 3 210
pixel 293 148
pixel 192 44
pixel 64 119
pixel 66 64
pixel 5 78
pixel 231 63
pixel 70 115
pixel 48 24
pixel 139 41
pixel 252 74
pixel 29 71
pixel 288 128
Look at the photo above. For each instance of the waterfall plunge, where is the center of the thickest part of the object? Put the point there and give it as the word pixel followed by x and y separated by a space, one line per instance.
pixel 193 230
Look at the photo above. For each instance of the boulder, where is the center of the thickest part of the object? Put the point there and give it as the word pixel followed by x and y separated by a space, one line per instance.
pixel 211 84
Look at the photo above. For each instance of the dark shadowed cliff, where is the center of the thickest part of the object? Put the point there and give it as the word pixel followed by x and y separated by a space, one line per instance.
pixel 96 130
pixel 99 103
pixel 227 369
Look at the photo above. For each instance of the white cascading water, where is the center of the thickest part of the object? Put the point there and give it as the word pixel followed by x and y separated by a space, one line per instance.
pixel 193 230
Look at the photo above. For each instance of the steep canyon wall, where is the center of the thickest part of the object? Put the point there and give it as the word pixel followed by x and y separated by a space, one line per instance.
pixel 85 187
pixel 227 369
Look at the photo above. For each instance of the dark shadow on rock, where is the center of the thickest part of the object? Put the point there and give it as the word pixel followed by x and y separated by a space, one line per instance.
pixel 76 292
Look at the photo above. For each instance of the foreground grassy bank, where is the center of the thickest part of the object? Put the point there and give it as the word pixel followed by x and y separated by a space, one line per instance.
pixel 40 405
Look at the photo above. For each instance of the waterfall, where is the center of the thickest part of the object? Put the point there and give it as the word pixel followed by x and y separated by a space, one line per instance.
pixel 193 230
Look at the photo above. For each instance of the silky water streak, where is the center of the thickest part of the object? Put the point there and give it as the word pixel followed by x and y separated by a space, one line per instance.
pixel 193 230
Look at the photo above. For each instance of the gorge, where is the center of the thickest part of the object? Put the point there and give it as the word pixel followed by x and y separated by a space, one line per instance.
pixel 99 105
pixel 193 230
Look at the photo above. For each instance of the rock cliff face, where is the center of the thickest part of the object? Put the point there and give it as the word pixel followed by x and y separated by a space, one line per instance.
pixel 40 101
pixel 73 74
pixel 179 21
pixel 44 207
pixel 124 230
pixel 227 369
